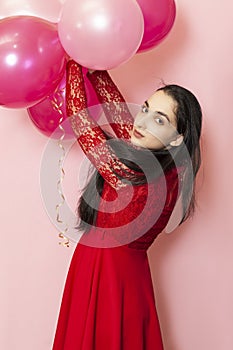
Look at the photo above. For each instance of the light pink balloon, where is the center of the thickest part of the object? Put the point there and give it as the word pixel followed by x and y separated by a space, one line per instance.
pixel 46 9
pixel 101 34
pixel 48 114
pixel 32 60
pixel 159 17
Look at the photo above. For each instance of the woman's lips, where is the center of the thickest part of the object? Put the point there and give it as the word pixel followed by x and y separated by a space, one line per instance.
pixel 137 134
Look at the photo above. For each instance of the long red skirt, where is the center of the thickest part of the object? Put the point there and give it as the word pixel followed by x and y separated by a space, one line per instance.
pixel 108 302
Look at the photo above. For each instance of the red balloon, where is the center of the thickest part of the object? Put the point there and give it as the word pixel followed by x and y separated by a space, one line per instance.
pixel 159 17
pixel 32 60
pixel 50 113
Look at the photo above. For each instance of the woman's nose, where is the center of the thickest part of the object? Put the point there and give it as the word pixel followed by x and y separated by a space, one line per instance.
pixel 141 121
pixel 140 124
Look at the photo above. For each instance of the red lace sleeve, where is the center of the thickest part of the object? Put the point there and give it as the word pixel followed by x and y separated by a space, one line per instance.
pixel 89 134
pixel 113 103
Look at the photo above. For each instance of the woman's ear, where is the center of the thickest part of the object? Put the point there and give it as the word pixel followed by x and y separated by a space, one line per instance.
pixel 177 141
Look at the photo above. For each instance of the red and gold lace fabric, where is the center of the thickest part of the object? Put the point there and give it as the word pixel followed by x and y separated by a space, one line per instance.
pixel 125 220
pixel 89 134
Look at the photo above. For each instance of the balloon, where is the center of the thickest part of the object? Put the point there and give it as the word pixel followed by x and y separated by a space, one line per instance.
pixel 101 34
pixel 48 114
pixel 159 17
pixel 49 10
pixel 32 60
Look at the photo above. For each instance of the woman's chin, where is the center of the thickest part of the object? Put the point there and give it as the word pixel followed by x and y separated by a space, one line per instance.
pixel 135 141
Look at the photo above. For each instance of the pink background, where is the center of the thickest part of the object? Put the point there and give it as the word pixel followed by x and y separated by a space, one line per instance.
pixel 191 267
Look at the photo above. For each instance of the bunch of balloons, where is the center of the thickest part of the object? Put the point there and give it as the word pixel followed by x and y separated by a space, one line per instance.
pixel 36 40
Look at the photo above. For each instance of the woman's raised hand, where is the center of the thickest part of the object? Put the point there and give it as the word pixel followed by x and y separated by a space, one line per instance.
pixel 91 71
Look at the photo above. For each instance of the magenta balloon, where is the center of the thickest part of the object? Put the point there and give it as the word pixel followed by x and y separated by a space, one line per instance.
pixel 159 17
pixel 32 60
pixel 48 114
pixel 101 34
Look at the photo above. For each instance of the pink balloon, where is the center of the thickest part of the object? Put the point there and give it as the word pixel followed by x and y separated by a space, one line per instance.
pixel 32 60
pixel 101 34
pixel 49 10
pixel 48 114
pixel 159 17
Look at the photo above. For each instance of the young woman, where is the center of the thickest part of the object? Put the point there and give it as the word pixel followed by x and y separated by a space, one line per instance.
pixel 108 301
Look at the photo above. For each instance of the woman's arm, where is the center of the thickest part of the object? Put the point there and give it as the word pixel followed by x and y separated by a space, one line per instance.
pixel 89 134
pixel 113 103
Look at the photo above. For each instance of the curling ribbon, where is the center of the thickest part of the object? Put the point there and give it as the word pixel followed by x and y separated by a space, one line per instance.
pixel 57 106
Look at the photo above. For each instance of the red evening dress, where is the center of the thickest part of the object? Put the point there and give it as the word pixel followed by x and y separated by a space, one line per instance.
pixel 108 301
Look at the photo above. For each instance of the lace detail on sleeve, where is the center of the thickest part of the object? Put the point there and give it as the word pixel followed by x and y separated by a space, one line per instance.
pixel 113 103
pixel 89 134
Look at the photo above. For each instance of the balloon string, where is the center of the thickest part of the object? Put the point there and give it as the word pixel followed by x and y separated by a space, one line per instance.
pixel 57 106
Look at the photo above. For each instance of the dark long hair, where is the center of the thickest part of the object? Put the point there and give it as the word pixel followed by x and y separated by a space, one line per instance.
pixel 189 120
pixel 189 123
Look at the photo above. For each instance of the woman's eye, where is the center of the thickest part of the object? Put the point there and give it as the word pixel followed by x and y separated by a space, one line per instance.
pixel 144 109
pixel 159 120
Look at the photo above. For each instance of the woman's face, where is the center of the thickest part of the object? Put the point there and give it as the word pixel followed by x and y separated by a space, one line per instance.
pixel 155 125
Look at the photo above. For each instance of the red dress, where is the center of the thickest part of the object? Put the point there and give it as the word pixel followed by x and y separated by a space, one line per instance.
pixel 108 301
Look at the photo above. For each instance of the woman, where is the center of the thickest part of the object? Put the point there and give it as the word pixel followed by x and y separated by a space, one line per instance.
pixel 108 300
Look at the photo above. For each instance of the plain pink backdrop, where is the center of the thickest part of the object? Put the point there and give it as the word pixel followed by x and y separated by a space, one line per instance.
pixel 192 266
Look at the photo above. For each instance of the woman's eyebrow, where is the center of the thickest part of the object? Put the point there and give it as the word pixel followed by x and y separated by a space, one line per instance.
pixel 159 112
